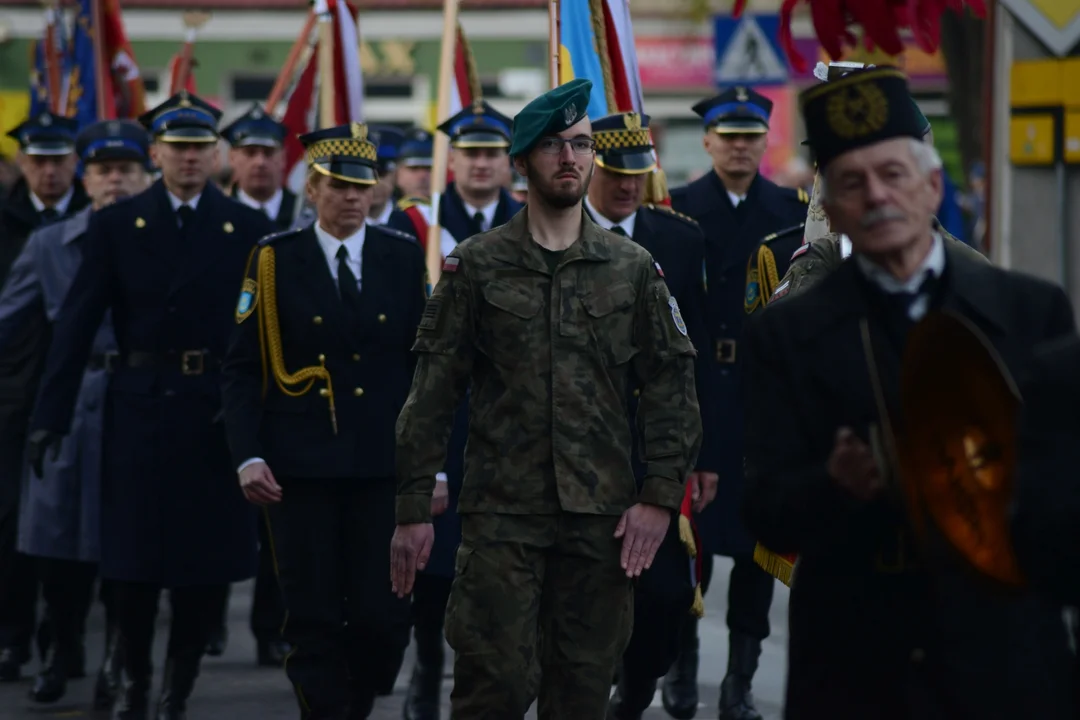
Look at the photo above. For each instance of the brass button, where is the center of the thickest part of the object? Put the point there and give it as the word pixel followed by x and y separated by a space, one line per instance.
pixel 382 317
pixel 637 393
pixel 358 392
pixel 356 357
pixel 324 392
pixel 322 358
pixel 317 319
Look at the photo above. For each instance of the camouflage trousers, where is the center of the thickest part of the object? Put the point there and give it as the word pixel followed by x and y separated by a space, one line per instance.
pixel 540 608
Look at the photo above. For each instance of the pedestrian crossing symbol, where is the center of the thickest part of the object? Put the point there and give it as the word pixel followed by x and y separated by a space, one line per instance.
pixel 748 51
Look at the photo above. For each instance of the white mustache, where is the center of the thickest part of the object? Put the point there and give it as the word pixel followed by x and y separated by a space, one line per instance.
pixel 875 216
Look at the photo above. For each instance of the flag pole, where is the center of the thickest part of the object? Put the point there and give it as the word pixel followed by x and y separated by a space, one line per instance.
pixel 98 35
pixel 441 150
pixel 554 43
pixel 327 110
pixel 285 77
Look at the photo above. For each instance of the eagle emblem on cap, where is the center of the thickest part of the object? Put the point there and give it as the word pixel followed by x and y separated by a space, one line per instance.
pixel 632 121
pixel 359 132
pixel 478 106
pixel 113 127
pixel 857 111
pixel 46 119
pixel 741 95
pixel 570 114
pixel 185 101
pixel 256 113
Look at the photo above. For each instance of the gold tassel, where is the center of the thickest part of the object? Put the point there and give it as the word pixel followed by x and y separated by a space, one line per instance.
pixel 656 190
pixel 698 608
pixel 686 535
pixel 773 564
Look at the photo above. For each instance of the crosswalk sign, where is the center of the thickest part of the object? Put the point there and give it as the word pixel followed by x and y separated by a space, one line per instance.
pixel 748 51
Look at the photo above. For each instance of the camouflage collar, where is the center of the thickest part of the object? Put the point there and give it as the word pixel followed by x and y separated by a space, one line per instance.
pixel 518 248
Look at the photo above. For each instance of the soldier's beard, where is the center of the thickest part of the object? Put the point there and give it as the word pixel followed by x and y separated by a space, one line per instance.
pixel 556 194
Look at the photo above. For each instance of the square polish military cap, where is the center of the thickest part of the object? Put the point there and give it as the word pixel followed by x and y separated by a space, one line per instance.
pixel 859 109
pixel 416 149
pixel 343 152
pixel 622 143
pixel 550 114
pixel 255 128
pixel 113 140
pixel 183 118
pixel 736 111
pixel 387 139
pixel 478 126
pixel 46 134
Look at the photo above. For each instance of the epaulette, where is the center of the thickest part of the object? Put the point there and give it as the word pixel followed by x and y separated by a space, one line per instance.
pixel 407 202
pixel 803 196
pixel 395 233
pixel 783 233
pixel 673 213
pixel 275 237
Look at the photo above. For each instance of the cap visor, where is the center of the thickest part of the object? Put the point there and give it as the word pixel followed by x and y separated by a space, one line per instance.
pixel 627 163
pixel 740 127
pixel 348 171
pixel 48 148
pixel 481 139
pixel 255 141
pixel 415 162
pixel 106 154
pixel 188 135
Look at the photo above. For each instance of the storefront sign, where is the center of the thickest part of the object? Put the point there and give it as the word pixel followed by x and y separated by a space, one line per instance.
pixel 674 63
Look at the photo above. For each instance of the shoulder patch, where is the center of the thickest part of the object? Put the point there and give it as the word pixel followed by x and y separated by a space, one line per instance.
pixel 665 210
pixel 786 232
pixel 659 270
pixel 676 316
pixel 451 264
pixel 802 250
pixel 279 236
pixel 249 296
pixel 782 290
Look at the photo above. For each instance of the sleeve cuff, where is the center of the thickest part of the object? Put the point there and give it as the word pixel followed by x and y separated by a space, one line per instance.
pixel 412 509
pixel 249 461
pixel 663 492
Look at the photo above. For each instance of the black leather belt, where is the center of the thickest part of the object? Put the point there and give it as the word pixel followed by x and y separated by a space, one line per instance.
pixel 103 361
pixel 188 362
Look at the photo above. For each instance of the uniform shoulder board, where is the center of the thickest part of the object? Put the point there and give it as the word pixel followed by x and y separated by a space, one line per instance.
pixel 672 213
pixel 407 202
pixel 395 233
pixel 786 232
pixel 803 196
pixel 277 237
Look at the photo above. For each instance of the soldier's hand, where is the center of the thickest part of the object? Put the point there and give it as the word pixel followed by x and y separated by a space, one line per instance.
pixel 642 529
pixel 853 466
pixel 39 444
pixel 259 485
pixel 410 549
pixel 440 499
pixel 703 486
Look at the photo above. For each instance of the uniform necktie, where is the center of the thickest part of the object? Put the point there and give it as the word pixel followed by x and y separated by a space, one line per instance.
pixel 478 218
pixel 618 230
pixel 49 214
pixel 187 215
pixel 347 283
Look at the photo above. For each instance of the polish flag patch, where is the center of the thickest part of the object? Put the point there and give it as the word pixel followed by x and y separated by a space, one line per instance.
pixel 801 251
pixel 450 264
pixel 659 270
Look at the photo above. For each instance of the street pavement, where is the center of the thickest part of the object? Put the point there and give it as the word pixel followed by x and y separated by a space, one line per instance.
pixel 233 688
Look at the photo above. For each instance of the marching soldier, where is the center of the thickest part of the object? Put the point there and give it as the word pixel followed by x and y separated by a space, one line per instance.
pixel 664 594
pixel 414 165
pixel 549 319
pixel 257 159
pixel 879 627
pixel 45 193
pixel 476 201
pixel 165 262
pixel 736 207
pixel 328 313
pixel 59 516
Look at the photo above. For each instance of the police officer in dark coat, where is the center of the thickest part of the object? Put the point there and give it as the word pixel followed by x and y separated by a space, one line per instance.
pixel 44 193
pixel 165 262
pixel 882 626
pixel 413 175
pixel 736 207
pixel 312 439
pixel 257 159
pixel 664 593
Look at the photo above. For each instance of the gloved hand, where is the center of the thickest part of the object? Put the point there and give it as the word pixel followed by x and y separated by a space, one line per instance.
pixel 39 444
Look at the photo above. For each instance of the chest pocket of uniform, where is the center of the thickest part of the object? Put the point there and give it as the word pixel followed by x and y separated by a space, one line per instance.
pixel 512 316
pixel 608 322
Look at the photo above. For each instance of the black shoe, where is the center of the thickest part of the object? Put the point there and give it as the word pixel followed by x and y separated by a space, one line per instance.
pixel 177 685
pixel 11 662
pixel 631 699
pixel 218 641
pixel 680 691
pixel 736 702
pixel 109 678
pixel 50 684
pixel 272 653
pixel 133 703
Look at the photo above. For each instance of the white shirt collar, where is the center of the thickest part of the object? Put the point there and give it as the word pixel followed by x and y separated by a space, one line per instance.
pixel 60 206
pixel 626 223
pixel 736 200
pixel 271 207
pixel 488 211
pixel 176 202
pixel 354 245
pixel 932 264
pixel 384 216
pixel 845 246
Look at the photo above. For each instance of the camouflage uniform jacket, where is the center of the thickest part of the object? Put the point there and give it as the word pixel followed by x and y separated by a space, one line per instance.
pixel 550 358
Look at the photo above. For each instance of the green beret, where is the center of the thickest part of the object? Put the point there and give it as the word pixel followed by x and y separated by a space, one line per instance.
pixel 549 114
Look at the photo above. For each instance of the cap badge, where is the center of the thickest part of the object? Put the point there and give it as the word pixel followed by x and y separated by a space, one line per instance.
pixel 46 120
pixel 632 121
pixel 857 110
pixel 570 114
pixel 741 95
pixel 358 130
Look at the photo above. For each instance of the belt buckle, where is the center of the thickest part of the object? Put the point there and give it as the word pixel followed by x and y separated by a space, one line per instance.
pixel 107 360
pixel 186 366
pixel 725 351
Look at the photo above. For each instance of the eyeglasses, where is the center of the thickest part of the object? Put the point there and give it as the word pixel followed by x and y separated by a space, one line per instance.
pixel 554 145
